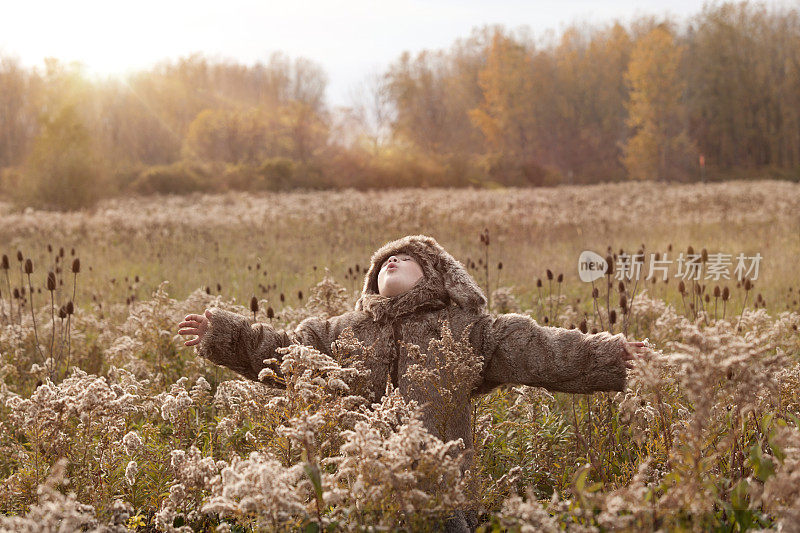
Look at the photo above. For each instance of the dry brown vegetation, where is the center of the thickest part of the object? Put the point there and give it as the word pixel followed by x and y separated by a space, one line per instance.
pixel 706 436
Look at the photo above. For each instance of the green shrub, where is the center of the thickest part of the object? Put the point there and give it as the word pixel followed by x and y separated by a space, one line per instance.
pixel 182 177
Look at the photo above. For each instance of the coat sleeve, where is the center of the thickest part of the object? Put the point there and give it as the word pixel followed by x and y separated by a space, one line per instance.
pixel 232 341
pixel 517 350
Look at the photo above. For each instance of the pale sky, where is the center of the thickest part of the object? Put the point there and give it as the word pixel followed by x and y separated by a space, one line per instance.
pixel 348 38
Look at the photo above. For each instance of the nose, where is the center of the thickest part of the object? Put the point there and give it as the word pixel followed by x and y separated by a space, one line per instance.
pixel 392 259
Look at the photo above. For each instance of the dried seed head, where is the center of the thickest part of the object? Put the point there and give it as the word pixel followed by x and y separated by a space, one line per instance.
pixel 5 262
pixel 726 293
pixel 682 288
pixel 583 327
pixel 609 265
pixel 283 298
pixel 62 312
pixel 208 289
pixel 538 282
pixel 747 284
pixel 623 303
pixel 594 331
pixel 595 292
pixel 716 291
pixel 707 298
pixel 704 255
pixel 621 287
pixel 270 313
pixel 61 252
pixel 669 247
pixel 219 287
pixel 19 256
pixel 16 293
pixel 28 266
pixel 690 250
pixel 70 307
pixel 500 265
pixel 549 275
pixel 51 281
pixel 612 316
pixel 300 295
pixel 254 304
pixel 358 268
pixel 76 265
pixel 560 278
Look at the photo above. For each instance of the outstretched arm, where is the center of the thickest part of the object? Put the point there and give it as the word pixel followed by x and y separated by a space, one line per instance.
pixel 228 339
pixel 518 350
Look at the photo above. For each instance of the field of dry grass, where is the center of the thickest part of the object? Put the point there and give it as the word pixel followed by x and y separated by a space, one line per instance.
pixel 248 243
pixel 151 438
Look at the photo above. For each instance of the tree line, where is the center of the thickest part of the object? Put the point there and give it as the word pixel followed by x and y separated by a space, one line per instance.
pixel 712 97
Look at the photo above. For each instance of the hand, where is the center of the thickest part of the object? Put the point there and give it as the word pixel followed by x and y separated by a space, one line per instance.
pixel 195 325
pixel 633 350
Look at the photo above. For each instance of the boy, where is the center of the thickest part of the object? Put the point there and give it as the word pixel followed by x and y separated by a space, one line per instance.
pixel 411 285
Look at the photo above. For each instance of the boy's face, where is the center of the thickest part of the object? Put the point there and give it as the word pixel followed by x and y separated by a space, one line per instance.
pixel 398 274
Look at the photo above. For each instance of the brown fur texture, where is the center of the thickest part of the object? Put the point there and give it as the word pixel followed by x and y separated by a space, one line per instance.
pixel 512 348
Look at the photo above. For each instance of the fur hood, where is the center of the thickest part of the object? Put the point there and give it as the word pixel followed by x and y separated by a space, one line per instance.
pixel 445 281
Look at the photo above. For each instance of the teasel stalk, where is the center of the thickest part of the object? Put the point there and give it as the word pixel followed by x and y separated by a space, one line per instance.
pixel 6 266
pixel 254 306
pixel 609 271
pixel 485 241
pixel 595 294
pixel 76 268
pixel 682 290
pixel 21 262
pixel 539 301
pixel 747 286
pixel 559 280
pixel 28 272
pixel 726 294
pixel 51 287
pixel 550 294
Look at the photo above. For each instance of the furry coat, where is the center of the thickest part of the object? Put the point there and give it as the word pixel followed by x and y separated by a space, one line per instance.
pixel 505 349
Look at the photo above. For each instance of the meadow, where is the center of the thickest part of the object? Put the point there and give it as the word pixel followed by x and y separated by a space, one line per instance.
pixel 107 422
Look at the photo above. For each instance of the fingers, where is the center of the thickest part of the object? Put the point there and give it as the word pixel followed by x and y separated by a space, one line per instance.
pixel 208 313
pixel 192 342
pixel 189 331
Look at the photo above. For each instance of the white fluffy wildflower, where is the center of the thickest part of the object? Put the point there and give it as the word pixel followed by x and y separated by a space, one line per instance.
pixel 132 442
pixel 259 486
pixel 130 472
pixel 176 402
pixel 529 516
